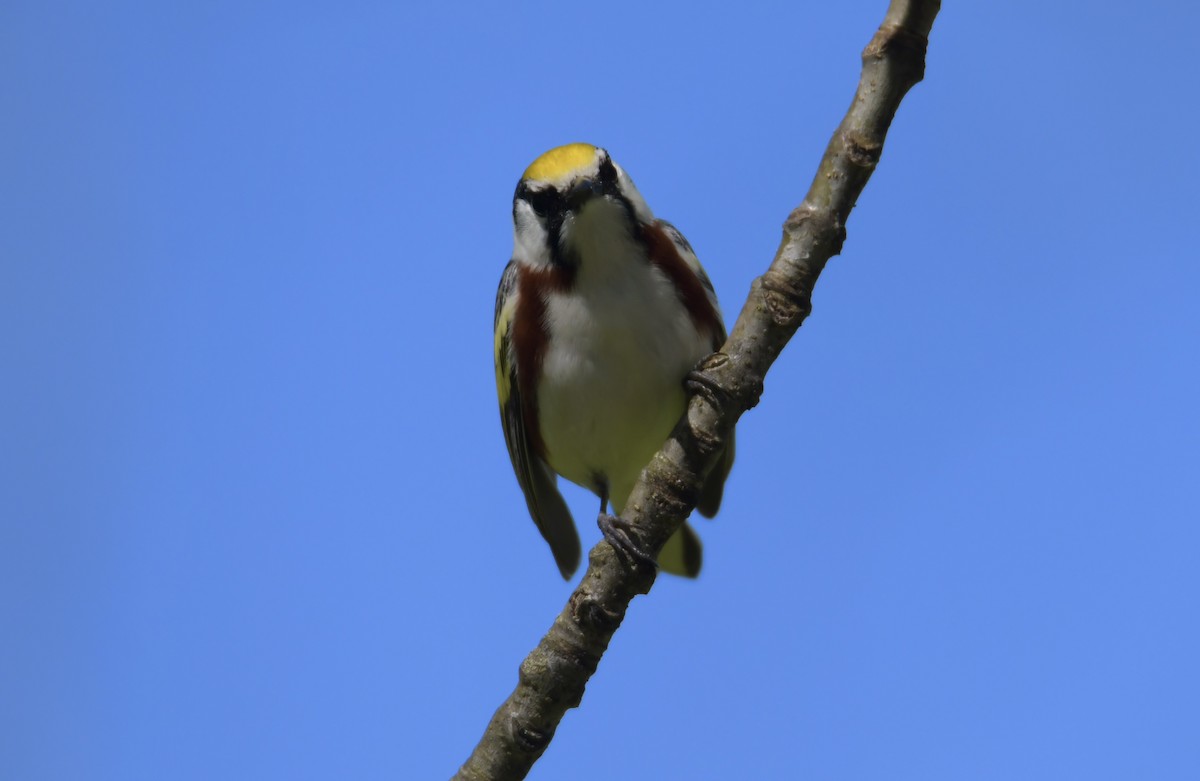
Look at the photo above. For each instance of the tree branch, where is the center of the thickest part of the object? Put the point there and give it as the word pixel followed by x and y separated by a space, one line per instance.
pixel 726 384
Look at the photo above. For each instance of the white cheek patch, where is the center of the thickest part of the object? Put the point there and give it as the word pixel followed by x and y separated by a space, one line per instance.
pixel 530 240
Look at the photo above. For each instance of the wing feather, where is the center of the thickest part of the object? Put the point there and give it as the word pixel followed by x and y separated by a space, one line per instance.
pixel 538 483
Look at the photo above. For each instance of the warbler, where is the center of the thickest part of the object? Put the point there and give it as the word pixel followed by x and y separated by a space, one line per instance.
pixel 601 314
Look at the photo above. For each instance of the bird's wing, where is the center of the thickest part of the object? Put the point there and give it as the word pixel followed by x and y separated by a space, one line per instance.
pixel 537 481
pixel 714 485
pixel 689 256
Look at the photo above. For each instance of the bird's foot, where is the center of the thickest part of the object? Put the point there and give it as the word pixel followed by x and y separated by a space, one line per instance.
pixel 700 384
pixel 620 535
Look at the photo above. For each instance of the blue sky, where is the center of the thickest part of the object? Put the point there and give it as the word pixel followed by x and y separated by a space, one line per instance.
pixel 256 515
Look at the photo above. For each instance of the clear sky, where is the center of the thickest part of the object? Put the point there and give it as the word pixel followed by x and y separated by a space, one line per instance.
pixel 257 520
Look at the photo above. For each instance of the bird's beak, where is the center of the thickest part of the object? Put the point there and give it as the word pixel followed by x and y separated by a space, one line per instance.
pixel 581 192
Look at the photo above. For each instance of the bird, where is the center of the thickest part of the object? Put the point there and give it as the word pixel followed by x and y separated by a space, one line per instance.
pixel 601 314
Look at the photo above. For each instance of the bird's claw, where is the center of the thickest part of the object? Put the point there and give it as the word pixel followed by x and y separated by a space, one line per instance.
pixel 619 534
pixel 699 383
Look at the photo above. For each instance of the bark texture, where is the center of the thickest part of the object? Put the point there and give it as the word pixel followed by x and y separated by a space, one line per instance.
pixel 553 677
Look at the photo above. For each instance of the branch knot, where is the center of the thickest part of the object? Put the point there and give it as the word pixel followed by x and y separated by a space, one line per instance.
pixel 788 302
pixel 861 151
pixel 532 740
pixel 591 613
pixel 897 39
pixel 904 46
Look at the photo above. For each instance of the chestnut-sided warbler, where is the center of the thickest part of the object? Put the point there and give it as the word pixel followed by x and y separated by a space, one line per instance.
pixel 600 316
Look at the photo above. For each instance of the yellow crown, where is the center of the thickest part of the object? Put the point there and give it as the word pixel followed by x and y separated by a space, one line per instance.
pixel 560 161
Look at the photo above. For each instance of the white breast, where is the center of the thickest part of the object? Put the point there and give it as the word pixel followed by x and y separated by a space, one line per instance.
pixel 611 388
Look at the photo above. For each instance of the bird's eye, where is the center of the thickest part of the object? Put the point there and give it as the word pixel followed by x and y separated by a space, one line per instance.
pixel 544 202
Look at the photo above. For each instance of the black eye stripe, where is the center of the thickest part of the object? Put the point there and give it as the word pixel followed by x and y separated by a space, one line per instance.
pixel 608 171
pixel 546 202
pixel 543 202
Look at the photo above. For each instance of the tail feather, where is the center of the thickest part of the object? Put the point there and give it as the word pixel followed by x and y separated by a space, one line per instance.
pixel 683 554
pixel 714 484
pixel 553 519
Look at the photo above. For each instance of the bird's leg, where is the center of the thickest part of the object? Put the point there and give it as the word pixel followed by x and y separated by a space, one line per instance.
pixel 620 535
